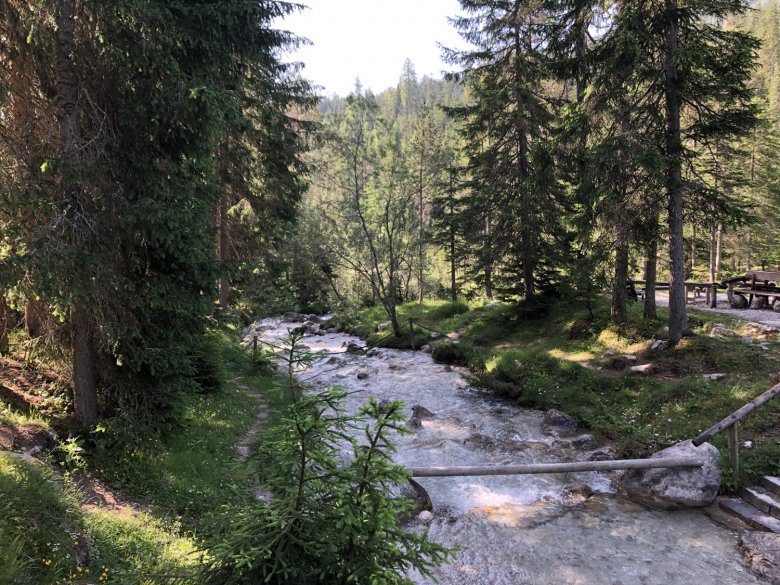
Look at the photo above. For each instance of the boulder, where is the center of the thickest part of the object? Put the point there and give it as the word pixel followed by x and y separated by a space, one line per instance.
pixel 383 325
pixel 659 345
pixel 585 442
pixel 559 424
pixel 776 306
pixel 354 348
pixel 739 302
pixel 762 553
pixel 714 377
pixel 722 331
pixel 293 317
pixel 758 302
pixel 421 501
pixel 676 487
pixel 421 412
pixel 426 348
pixel 332 330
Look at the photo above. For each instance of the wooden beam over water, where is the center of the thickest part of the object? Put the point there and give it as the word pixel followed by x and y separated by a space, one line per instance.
pixel 537 468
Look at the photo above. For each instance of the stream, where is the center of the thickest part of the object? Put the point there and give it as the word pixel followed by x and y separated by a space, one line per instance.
pixel 554 529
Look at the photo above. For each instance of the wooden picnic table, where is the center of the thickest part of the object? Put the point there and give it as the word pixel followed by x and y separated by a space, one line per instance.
pixel 761 284
pixel 693 286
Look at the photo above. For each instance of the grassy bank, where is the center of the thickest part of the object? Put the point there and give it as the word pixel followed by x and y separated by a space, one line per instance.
pixel 554 356
pixel 172 492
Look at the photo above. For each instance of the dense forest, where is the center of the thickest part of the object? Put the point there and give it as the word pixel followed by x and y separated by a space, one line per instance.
pixel 164 172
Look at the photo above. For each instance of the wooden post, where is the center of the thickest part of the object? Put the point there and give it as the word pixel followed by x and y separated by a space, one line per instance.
pixel 254 349
pixel 713 296
pixel 733 449
pixel 411 333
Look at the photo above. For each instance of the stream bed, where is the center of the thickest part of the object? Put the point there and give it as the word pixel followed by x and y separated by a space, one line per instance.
pixel 554 529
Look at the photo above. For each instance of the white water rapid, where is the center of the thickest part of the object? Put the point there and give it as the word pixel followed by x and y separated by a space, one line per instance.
pixel 555 529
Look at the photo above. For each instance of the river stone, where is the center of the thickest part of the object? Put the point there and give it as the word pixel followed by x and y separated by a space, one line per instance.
pixel 421 412
pixel 558 424
pixel 383 325
pixel 354 348
pixel 739 302
pixel 421 501
pixel 362 376
pixel 293 318
pixel 426 348
pixel 678 487
pixel 762 553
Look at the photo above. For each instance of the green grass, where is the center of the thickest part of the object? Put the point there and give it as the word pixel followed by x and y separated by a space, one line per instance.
pixel 188 485
pixel 552 356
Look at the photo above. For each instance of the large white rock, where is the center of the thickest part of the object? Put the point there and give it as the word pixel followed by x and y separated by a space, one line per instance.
pixel 676 487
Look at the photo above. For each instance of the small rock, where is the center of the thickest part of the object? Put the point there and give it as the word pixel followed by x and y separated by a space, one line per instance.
pixel 713 377
pixel 776 306
pixel 362 376
pixel 659 345
pixel 446 369
pixel 293 318
pixel 601 455
pixel 425 516
pixel 414 423
pixel 314 318
pixel 762 553
pixel 559 424
pixel 721 331
pixel 747 444
pixel 585 442
pixel 383 325
pixel 630 358
pixel 764 346
pixel 480 441
pixel 374 352
pixel 609 353
pixel 421 412
pixel 643 369
pixel 332 330
pixel 435 335
pixel 333 360
pixel 747 340
pixel 354 348
pixel 426 348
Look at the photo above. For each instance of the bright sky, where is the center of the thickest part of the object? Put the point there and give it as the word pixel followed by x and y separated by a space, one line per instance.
pixel 370 39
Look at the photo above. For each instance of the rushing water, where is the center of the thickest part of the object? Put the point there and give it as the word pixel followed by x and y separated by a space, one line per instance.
pixel 553 529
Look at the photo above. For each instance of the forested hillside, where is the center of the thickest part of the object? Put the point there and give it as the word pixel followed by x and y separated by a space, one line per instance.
pixel 167 177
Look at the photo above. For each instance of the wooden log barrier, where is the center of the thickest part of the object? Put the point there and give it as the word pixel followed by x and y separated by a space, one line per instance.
pixel 737 415
pixel 537 468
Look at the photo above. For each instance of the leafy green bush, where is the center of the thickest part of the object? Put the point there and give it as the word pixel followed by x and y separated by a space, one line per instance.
pixel 448 352
pixel 331 519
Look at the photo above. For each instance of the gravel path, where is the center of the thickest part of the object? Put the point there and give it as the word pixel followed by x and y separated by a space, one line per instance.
pixel 766 316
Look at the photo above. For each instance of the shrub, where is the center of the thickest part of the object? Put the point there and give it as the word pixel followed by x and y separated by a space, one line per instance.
pixel 447 352
pixel 331 519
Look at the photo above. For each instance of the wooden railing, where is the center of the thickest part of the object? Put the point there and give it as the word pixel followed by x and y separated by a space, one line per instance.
pixel 568 467
pixel 730 424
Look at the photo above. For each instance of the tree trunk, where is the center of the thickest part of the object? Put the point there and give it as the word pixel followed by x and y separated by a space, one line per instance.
pixel 693 251
pixel 677 315
pixel 421 251
pixel 34 317
pixel 619 312
pixel 453 234
pixel 84 367
pixel 718 249
pixel 83 346
pixel 224 253
pixel 748 259
pixel 651 265
pixel 3 326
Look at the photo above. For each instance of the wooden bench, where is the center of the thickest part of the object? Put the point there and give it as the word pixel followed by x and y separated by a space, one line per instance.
pixel 755 283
